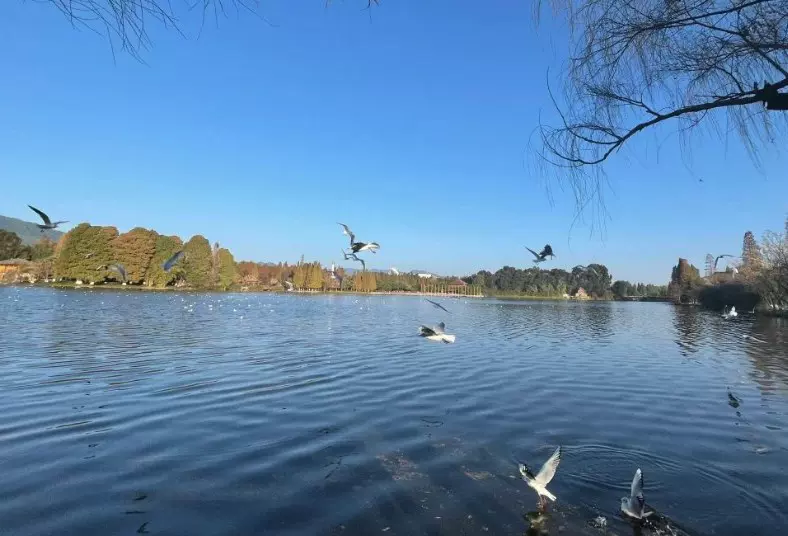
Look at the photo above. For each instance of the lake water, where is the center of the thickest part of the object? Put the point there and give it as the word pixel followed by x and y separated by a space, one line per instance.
pixel 190 414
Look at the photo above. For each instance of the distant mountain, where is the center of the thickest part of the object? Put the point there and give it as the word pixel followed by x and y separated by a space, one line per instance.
pixel 27 231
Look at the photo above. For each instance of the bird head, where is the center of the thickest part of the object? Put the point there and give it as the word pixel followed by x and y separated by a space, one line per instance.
pixel 525 471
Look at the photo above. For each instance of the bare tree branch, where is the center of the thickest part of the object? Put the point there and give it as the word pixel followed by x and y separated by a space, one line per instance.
pixel 637 64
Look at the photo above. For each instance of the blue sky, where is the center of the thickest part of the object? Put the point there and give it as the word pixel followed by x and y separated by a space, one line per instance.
pixel 410 123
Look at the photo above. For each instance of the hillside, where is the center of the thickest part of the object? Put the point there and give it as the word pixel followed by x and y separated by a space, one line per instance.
pixel 27 231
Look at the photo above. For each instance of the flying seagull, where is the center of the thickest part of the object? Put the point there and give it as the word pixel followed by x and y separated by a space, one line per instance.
pixel 718 258
pixel 585 269
pixel 117 268
pixel 358 247
pixel 546 474
pixel 169 263
pixel 726 314
pixel 542 255
pixel 346 231
pixel 438 305
pixel 48 224
pixel 635 504
pixel 436 333
pixel 356 258
pixel 289 286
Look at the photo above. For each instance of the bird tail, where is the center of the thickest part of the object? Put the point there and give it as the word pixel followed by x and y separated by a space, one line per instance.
pixel 548 495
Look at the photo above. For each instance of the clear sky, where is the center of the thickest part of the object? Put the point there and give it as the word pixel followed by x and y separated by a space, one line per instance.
pixel 411 123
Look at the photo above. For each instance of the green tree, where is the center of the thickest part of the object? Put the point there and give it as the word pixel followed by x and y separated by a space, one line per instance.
pixel 10 245
pixel 85 253
pixel 621 289
pixel 198 263
pixel 165 247
pixel 43 249
pixel 315 276
pixel 299 276
pixel 227 269
pixel 134 250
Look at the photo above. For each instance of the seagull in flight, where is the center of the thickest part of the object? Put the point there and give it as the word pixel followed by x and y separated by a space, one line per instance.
pixel 346 231
pixel 729 314
pixel 542 479
pixel 117 268
pixel 289 286
pixel 438 305
pixel 436 333
pixel 48 224
pixel 169 263
pixel 358 247
pixel 542 255
pixel 718 257
pixel 349 256
pixel 635 504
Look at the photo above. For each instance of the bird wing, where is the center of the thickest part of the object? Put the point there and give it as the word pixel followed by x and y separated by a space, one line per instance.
pixel 547 472
pixel 172 260
pixel 44 217
pixel 426 331
pixel 535 254
pixel 363 264
pixel 348 232
pixel 119 269
pixel 438 305
pixel 440 328
pixel 636 493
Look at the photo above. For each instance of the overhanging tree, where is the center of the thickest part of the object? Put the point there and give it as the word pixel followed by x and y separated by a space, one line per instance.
pixel 637 64
pixel 126 22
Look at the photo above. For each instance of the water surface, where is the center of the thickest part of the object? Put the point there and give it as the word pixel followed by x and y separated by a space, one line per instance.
pixel 178 413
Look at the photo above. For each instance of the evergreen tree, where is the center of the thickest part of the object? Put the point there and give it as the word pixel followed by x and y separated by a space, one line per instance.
pixel 85 253
pixel 750 256
pixel 197 263
pixel 165 247
pixel 134 250
pixel 227 269
pixel 299 276
pixel 10 245
pixel 43 249
pixel 315 280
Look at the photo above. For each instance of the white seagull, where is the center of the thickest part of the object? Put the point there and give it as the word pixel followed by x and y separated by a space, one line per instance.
pixel 289 286
pixel 346 231
pixel 726 314
pixel 635 504
pixel 546 473
pixel 436 333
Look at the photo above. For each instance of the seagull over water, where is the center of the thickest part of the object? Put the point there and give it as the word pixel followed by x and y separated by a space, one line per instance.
pixel 118 269
pixel 169 263
pixel 48 224
pixel 542 255
pixel 436 333
pixel 438 305
pixel 542 479
pixel 635 505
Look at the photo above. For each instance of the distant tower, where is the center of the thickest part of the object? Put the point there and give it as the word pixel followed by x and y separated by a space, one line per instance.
pixel 750 254
pixel 709 265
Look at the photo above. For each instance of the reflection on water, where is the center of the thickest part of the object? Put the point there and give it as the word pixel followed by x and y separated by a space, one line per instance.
pixel 181 413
